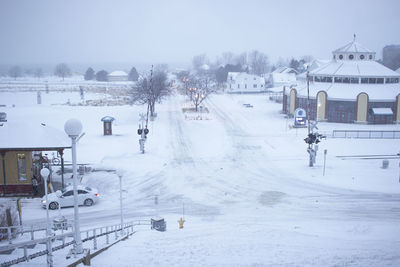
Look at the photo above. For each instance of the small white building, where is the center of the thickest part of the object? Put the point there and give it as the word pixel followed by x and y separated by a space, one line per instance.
pixel 282 76
pixel 118 76
pixel 241 82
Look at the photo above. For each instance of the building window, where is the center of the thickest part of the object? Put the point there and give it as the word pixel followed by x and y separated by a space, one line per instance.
pixel 317 79
pixel 351 57
pixel 328 79
pixel 353 80
pixel 345 80
pixel 364 80
pixel 338 79
pixel 362 57
pixel 379 80
pixel 340 56
pixel 262 86
pixel 21 163
pixel 371 80
pixel 238 86
pixel 392 80
pixel 370 56
pixel 254 85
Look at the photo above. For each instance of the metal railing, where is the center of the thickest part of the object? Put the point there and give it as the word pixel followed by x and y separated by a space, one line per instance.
pixel 12 232
pixel 366 134
pixel 91 234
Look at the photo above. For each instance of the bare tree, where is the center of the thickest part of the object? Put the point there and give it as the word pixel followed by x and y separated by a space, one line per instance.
pixel 226 58
pixel 161 68
pixel 15 72
pixel 62 70
pixel 204 86
pixel 259 62
pixel 199 61
pixel 151 90
pixel 242 59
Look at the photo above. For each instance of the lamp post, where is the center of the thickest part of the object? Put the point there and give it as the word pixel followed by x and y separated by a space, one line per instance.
pixel 45 174
pixel 73 128
pixel 120 201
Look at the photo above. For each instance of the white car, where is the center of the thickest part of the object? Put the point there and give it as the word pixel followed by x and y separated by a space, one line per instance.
pixel 65 198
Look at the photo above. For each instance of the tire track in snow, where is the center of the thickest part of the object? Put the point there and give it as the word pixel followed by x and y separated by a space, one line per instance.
pixel 346 202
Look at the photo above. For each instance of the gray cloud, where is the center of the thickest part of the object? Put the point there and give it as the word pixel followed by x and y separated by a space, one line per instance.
pixel 174 31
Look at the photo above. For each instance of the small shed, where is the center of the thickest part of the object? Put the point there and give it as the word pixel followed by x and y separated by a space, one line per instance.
pixel 21 159
pixel 107 124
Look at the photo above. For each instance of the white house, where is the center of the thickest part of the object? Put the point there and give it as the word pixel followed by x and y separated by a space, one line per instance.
pixel 282 76
pixel 117 76
pixel 241 82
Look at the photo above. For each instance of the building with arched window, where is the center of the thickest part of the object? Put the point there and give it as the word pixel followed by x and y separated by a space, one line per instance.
pixel 351 88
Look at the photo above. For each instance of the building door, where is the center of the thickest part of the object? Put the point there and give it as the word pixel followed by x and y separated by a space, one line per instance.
pixel 340 116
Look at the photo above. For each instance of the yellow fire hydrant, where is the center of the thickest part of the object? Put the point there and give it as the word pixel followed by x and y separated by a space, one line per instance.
pixel 181 221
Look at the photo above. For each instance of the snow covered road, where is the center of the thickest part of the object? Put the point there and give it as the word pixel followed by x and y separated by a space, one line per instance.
pixel 250 199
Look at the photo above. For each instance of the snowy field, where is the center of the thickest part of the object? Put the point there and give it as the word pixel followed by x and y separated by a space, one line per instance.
pixel 249 197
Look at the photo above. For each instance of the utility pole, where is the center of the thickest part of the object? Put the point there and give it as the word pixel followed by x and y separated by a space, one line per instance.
pixel 120 203
pixel 310 149
pixel 142 131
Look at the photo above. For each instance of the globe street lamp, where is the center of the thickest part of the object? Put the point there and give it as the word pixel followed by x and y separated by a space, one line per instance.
pixel 45 174
pixel 73 128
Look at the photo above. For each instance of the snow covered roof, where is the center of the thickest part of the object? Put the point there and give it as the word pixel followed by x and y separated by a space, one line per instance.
pixel 118 73
pixel 382 111
pixel 14 135
pixel 398 70
pixel 107 118
pixel 340 91
pixel 285 70
pixel 353 47
pixel 241 77
pixel 355 68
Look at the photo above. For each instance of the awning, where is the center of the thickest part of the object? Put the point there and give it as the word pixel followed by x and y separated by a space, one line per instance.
pixel 382 111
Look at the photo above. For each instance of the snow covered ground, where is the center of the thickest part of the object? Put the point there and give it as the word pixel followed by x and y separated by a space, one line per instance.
pixel 250 198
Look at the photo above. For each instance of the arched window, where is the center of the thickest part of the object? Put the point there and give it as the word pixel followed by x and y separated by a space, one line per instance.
pixel 362 57
pixel 340 56
pixel 351 57
pixel 370 56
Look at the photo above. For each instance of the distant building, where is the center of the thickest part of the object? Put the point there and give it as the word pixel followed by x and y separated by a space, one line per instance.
pixel 241 82
pixel 391 56
pixel 282 76
pixel 117 76
pixel 352 87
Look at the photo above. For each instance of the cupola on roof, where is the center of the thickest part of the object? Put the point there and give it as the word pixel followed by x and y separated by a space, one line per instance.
pixel 353 51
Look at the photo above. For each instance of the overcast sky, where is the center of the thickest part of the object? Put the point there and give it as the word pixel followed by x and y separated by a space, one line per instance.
pixel 84 31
